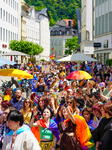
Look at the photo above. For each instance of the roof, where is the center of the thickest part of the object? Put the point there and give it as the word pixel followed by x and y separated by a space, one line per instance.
pixel 43 12
pixel 14 53
pixel 64 31
pixel 61 23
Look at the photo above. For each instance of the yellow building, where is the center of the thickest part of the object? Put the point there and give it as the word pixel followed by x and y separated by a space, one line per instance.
pixel 24 12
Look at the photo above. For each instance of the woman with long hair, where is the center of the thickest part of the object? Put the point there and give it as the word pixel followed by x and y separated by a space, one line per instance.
pixel 47 128
pixel 26 110
pixel 71 102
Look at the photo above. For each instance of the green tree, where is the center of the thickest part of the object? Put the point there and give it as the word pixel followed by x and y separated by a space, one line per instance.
pixel 71 45
pixel 26 47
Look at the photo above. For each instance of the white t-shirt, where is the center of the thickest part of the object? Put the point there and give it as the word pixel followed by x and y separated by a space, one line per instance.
pixel 24 141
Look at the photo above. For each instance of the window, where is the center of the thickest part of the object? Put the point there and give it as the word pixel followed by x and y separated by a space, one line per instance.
pixel 17 37
pixel 51 33
pixel 9 36
pixel 15 21
pixel 15 5
pixel 106 23
pixel 110 21
pixel 55 42
pixel 100 29
pixel 9 2
pixel 1 13
pixel 59 42
pixel 68 32
pixel 103 24
pixel 3 34
pixel 9 18
pixel 60 32
pixel 55 33
pixel 6 16
pixel 0 33
pixel 13 36
pixel 6 35
pixel 6 1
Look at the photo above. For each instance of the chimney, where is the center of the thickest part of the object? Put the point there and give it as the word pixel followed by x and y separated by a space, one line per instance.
pixel 70 23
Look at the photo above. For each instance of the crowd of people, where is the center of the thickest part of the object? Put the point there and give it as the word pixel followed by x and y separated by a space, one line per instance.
pixel 59 114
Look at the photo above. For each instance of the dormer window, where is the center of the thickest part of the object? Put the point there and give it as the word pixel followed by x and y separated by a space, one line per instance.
pixel 55 33
pixel 60 32
pixel 51 33
pixel 67 32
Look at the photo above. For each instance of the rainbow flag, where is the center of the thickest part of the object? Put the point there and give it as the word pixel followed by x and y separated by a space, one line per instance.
pixel 53 128
pixel 30 65
pixel 19 80
pixel 83 133
pixel 52 56
pixel 52 49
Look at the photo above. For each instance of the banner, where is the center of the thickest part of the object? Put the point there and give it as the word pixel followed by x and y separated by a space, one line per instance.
pixel 78 12
pixel 46 69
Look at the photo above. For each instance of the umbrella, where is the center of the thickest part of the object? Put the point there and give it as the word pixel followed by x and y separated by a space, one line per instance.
pixel 79 75
pixel 5 61
pixel 77 57
pixel 15 73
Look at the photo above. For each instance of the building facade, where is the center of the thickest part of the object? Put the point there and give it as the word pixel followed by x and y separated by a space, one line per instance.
pixel 32 26
pixel 24 13
pixel 10 22
pixel 87 27
pixel 59 35
pixel 44 32
pixel 103 29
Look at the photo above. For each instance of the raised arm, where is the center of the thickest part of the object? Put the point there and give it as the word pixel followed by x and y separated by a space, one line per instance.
pixel 70 115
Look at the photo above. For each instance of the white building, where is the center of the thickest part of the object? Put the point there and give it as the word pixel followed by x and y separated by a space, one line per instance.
pixel 10 24
pixel 44 32
pixel 103 29
pixel 32 26
pixel 87 27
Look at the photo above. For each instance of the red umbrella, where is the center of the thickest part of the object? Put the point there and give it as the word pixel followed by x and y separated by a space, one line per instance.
pixel 79 75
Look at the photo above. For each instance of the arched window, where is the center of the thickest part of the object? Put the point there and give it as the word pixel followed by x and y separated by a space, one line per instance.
pixel 51 33
pixel 60 32
pixel 55 33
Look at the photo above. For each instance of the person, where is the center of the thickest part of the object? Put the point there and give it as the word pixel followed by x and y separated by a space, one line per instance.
pixel 4 129
pixel 104 130
pixel 17 102
pixel 26 110
pixel 40 86
pixel 96 109
pixel 54 104
pixel 71 102
pixel 21 138
pixel 47 128
pixel 88 116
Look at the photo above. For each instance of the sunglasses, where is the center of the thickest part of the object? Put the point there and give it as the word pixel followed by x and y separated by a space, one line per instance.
pixel 27 102
pixel 69 102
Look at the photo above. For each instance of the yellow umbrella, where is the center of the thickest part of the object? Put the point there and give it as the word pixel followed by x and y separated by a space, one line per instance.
pixel 15 73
